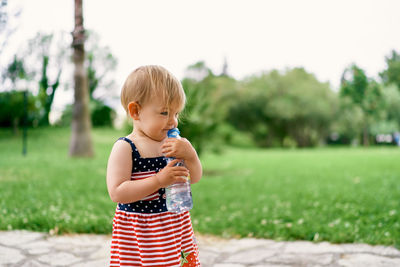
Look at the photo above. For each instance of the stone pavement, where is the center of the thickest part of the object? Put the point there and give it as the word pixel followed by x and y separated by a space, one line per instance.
pixel 31 249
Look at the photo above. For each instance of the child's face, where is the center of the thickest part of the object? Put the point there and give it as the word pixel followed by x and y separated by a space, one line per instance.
pixel 155 119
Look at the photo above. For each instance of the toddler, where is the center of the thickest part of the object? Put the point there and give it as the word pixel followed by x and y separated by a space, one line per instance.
pixel 144 232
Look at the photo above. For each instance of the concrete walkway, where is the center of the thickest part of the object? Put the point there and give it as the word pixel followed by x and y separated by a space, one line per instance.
pixel 31 249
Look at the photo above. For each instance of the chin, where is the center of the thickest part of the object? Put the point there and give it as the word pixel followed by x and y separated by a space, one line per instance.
pixel 159 138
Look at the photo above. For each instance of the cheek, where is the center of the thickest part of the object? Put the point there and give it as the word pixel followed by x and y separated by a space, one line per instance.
pixel 158 123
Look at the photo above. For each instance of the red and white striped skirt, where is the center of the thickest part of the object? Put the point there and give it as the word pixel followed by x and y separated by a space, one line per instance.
pixel 153 239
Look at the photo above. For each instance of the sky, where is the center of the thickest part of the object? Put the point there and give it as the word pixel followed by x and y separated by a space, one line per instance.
pixel 253 36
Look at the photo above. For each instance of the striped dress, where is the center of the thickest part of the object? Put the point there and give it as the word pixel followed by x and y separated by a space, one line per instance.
pixel 144 232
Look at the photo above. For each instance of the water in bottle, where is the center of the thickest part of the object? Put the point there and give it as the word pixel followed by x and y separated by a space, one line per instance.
pixel 178 195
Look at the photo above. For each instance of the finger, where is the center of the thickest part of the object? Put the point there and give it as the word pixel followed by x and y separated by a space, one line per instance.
pixel 180 168
pixel 172 163
pixel 166 150
pixel 168 154
pixel 169 141
pixel 184 172
pixel 181 173
pixel 181 179
pixel 165 145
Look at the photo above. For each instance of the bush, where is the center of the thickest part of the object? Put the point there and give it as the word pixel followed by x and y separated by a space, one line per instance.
pixel 284 109
pixel 12 109
pixel 101 114
pixel 208 100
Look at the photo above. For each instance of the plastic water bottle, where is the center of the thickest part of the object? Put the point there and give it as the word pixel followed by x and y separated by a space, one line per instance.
pixel 178 195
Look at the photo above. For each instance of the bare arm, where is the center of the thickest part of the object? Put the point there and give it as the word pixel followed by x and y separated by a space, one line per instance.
pixel 119 184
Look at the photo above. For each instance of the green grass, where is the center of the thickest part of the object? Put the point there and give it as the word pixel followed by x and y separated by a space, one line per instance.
pixel 49 190
pixel 338 195
pixel 333 194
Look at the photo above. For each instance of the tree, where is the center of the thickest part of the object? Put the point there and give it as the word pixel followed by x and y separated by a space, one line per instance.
pixel 12 110
pixel 354 84
pixel 206 107
pixel 51 55
pixel 44 59
pixel 392 103
pixel 6 23
pixel 3 21
pixel 365 93
pixel 100 66
pixel 391 122
pixel 16 71
pixel 349 121
pixel 392 72
pixel 284 109
pixel 81 141
pixel 7 28
pixel 12 100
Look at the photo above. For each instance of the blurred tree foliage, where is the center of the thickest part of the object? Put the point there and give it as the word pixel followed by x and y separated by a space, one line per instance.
pixel 3 15
pixel 12 102
pixel 348 122
pixel 289 108
pixel 51 65
pixel 391 96
pixel 100 66
pixel 37 68
pixel 391 111
pixel 208 100
pixel 7 27
pixel 284 109
pixel 16 71
pixel 391 75
pixel 12 110
pixel 367 95
pixel 41 64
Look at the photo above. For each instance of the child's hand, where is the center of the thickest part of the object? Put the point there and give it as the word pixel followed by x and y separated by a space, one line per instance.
pixel 178 148
pixel 172 174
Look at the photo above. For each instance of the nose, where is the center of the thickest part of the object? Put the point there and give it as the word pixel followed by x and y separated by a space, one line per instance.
pixel 172 121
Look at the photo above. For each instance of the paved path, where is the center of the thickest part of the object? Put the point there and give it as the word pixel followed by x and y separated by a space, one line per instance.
pixel 31 249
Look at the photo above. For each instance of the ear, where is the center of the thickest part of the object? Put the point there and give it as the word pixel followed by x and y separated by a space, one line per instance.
pixel 134 109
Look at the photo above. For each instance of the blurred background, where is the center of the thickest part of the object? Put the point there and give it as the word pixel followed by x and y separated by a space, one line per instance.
pixel 285 73
pixel 306 93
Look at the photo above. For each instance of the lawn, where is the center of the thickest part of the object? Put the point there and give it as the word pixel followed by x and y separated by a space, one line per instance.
pixel 332 194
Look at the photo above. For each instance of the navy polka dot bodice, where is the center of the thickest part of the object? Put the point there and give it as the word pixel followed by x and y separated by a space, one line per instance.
pixel 143 168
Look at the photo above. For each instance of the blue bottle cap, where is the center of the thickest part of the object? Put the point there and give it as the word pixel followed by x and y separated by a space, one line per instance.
pixel 173 133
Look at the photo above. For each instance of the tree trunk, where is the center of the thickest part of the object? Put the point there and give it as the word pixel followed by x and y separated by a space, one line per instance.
pixel 81 141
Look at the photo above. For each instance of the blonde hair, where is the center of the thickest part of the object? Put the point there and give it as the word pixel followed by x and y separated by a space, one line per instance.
pixel 151 81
